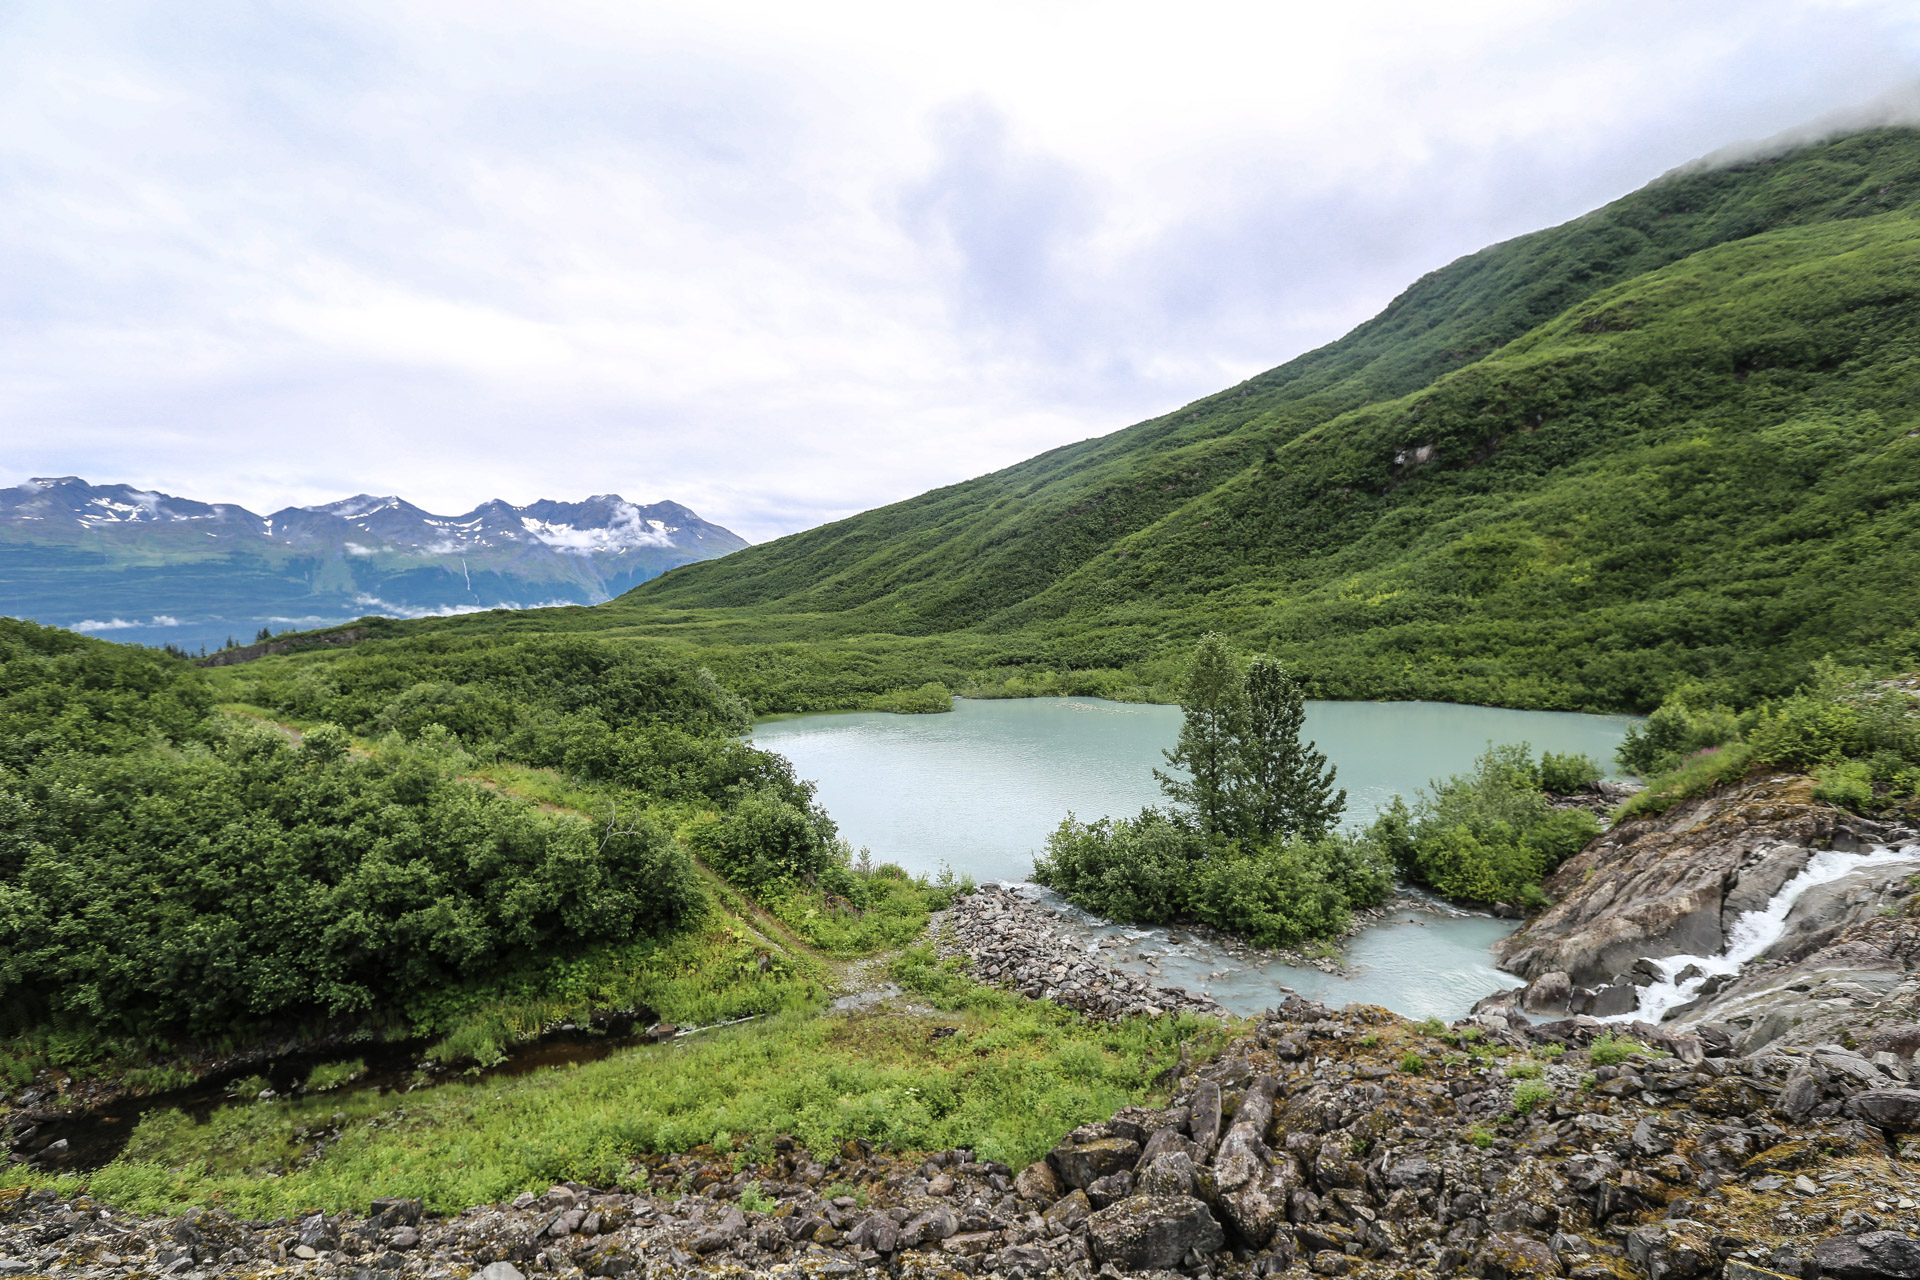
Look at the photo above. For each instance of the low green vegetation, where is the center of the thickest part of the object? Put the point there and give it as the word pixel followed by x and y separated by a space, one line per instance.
pixel 1612 1049
pixel 1249 845
pixel 1015 1076
pixel 331 1075
pixel 1859 736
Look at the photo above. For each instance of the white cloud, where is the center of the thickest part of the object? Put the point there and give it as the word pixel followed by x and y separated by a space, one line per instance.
pixel 782 262
pixel 375 605
pixel 124 624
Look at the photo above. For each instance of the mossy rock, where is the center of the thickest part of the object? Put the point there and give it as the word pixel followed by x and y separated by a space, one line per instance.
pixel 1786 1157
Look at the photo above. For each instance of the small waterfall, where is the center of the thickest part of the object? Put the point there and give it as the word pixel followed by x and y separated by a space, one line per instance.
pixel 1753 932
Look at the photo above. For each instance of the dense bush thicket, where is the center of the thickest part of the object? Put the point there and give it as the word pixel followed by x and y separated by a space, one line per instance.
pixel 1490 835
pixel 602 711
pixel 201 889
pixel 1158 868
pixel 1858 734
pixel 1249 848
pixel 164 869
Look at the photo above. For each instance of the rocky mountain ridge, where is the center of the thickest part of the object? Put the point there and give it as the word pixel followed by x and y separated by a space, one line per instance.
pixel 118 560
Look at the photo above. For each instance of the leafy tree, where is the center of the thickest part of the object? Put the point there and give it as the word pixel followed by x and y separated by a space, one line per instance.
pixel 767 840
pixel 1250 777
pixel 1140 870
pixel 1283 787
pixel 1213 703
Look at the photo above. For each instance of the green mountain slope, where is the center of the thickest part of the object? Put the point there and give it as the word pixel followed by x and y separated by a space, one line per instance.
pixel 1670 440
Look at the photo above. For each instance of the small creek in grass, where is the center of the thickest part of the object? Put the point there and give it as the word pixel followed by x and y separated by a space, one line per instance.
pixel 979 788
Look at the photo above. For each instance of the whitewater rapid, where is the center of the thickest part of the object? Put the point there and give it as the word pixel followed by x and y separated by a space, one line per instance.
pixel 1753 932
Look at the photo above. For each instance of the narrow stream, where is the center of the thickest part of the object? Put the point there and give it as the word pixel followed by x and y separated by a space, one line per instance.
pixel 95 1136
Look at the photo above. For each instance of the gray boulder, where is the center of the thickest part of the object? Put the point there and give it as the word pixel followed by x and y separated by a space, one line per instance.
pixel 1080 1164
pixel 1877 1255
pixel 1895 1109
pixel 1801 1095
pixel 1203 1120
pixel 1038 1182
pixel 1166 1140
pixel 1102 1192
pixel 935 1224
pixel 1167 1174
pixel 1679 1249
pixel 1416 1173
pixel 1547 993
pixel 1251 1188
pixel 1508 1256
pixel 1150 1232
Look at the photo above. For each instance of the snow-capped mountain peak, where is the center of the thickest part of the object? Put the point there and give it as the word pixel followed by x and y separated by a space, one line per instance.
pixel 335 557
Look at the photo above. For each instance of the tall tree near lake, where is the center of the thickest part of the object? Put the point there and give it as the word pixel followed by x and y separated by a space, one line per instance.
pixel 1283 787
pixel 1213 700
pixel 1249 775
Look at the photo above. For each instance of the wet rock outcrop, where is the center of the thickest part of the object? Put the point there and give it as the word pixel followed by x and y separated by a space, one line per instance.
pixel 1675 884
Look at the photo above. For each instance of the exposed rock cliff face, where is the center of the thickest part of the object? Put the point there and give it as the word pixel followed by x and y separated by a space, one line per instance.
pixel 1828 957
pixel 1675 883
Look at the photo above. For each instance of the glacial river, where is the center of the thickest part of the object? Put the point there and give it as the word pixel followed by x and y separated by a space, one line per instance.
pixel 979 788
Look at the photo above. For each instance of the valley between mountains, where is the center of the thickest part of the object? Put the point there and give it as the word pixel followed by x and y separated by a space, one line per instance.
pixel 492 946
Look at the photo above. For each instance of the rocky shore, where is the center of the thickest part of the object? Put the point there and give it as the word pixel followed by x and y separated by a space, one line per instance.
pixel 1006 940
pixel 1323 1143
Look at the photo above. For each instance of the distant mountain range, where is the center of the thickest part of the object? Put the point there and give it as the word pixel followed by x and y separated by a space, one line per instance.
pixel 139 565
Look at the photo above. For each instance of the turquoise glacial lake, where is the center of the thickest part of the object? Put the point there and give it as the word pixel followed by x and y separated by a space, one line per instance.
pixel 978 789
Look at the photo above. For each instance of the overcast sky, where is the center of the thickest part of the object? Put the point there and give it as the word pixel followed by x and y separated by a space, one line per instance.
pixel 782 262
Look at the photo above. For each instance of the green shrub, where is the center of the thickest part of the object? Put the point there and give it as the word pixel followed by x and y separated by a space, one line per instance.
pixel 1564 774
pixel 931 697
pixel 1273 897
pixel 1611 1049
pixel 1529 1094
pixel 1848 785
pixel 754 1200
pixel 201 891
pixel 766 841
pixel 1139 871
pixel 1683 725
pixel 1413 1064
pixel 1486 836
pixel 1525 1071
pixel 1480 1138
pixel 1156 868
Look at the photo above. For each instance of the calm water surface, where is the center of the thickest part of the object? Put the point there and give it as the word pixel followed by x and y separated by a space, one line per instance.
pixel 979 789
